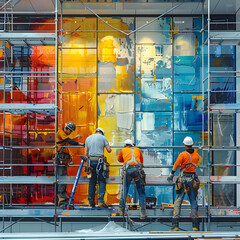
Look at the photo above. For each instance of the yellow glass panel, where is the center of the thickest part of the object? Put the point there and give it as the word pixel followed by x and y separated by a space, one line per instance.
pixel 74 39
pixel 79 62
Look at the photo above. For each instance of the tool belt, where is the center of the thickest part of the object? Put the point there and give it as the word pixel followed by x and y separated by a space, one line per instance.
pixel 101 165
pixel 187 177
pixel 140 174
pixel 63 158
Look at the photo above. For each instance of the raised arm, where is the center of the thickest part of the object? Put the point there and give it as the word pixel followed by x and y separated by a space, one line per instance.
pixel 108 148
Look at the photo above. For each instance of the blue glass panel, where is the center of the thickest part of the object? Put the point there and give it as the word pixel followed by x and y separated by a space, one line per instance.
pixel 188 57
pixel 187 112
pixel 187 74
pixel 222 58
pixel 164 194
pixel 154 129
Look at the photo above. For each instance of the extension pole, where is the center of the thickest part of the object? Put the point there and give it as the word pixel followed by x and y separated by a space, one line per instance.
pixel 76 183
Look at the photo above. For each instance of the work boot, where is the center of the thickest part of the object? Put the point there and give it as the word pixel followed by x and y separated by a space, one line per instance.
pixel 103 205
pixel 195 224
pixel 175 224
pixel 174 228
pixel 121 211
pixel 62 200
pixel 143 214
pixel 91 205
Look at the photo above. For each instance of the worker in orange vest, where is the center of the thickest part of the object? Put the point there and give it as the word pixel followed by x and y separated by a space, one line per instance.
pixel 132 160
pixel 187 182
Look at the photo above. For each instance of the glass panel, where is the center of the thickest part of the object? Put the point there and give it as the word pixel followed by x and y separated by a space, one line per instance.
pixel 79 63
pixel 158 157
pixel 154 129
pixel 78 32
pixel 152 32
pixel 164 194
pixel 31 158
pixel 154 78
pixel 36 23
pixel 116 117
pixel 76 108
pixel 188 112
pixel 188 56
pixel 79 84
pixel 223 84
pixel 29 194
pixel 116 56
pixel 223 135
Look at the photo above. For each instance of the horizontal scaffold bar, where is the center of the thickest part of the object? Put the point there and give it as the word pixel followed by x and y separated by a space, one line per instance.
pixel 150 180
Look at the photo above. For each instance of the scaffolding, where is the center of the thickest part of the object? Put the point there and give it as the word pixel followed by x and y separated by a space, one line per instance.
pixel 18 77
pixel 19 80
pixel 220 106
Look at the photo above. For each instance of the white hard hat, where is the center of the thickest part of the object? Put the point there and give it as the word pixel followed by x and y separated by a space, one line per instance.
pixel 128 142
pixel 188 141
pixel 100 130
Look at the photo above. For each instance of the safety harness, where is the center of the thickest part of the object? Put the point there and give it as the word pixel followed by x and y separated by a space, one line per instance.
pixel 188 164
pixel 139 169
pixel 133 159
pixel 182 179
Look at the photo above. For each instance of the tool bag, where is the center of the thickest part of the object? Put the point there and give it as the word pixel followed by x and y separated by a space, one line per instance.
pixel 180 181
pixel 178 184
pixel 62 158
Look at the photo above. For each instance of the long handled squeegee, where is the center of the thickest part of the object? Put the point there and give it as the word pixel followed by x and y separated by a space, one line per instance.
pixel 76 183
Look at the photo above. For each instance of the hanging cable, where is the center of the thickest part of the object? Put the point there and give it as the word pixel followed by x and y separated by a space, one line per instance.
pixel 5 4
pixel 128 34
pixel 144 25
pixel 102 19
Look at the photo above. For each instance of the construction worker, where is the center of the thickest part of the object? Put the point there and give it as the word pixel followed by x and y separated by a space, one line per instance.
pixel 132 160
pixel 187 182
pixel 63 158
pixel 96 162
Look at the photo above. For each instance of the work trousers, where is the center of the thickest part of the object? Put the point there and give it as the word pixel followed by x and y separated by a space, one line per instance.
pixel 97 177
pixel 132 172
pixel 178 202
pixel 62 193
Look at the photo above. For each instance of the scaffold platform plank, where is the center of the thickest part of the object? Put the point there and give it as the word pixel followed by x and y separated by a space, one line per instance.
pixel 120 235
pixel 22 108
pixel 150 180
pixel 29 38
pixel 225 108
pixel 225 38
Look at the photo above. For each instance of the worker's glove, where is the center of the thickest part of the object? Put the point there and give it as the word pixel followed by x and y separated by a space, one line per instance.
pixel 70 162
pixel 170 177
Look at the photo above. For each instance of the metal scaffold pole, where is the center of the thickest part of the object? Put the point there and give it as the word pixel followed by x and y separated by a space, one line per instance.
pixel 56 108
pixel 209 118
pixel 203 118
